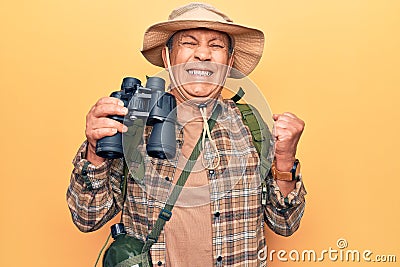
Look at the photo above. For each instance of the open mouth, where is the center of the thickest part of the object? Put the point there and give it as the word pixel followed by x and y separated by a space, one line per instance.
pixel 201 73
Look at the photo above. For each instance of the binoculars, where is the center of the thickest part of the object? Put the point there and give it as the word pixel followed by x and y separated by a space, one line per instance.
pixel 151 104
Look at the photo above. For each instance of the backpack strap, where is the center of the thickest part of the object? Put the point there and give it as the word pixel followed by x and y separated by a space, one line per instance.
pixel 262 139
pixel 166 212
pixel 260 134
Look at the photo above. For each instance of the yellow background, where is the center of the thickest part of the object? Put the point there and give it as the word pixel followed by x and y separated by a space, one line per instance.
pixel 333 63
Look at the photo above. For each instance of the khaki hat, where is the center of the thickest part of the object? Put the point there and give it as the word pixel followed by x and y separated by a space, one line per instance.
pixel 248 42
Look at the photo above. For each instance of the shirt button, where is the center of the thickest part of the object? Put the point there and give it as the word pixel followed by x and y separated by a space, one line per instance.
pixel 219 258
pixel 84 172
pixel 216 214
pixel 167 178
pixel 159 263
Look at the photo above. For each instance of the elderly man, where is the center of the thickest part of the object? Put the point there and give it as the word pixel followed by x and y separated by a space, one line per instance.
pixel 219 220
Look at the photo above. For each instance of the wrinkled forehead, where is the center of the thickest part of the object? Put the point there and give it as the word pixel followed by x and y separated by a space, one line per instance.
pixel 202 33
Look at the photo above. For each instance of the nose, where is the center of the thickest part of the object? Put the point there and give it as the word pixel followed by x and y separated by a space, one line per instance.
pixel 202 53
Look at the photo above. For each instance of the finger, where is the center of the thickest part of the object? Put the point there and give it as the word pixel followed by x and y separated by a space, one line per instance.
pixel 103 132
pixel 284 115
pixel 110 100
pixel 104 125
pixel 279 131
pixel 282 134
pixel 108 123
pixel 105 110
pixel 294 121
pixel 282 124
pixel 285 118
pixel 290 115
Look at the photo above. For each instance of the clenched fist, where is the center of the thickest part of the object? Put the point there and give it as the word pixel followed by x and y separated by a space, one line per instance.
pixel 99 126
pixel 287 131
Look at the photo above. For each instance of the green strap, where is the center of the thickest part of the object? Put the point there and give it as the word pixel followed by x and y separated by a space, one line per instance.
pixel 135 133
pixel 260 134
pixel 165 213
pixel 124 187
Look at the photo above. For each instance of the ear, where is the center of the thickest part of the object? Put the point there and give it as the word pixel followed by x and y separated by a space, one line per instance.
pixel 164 56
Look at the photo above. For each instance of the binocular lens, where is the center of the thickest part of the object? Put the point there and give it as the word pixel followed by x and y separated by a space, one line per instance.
pixel 110 147
pixel 162 141
pixel 155 83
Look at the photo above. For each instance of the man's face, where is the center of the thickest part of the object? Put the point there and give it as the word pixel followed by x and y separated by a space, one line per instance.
pixel 199 61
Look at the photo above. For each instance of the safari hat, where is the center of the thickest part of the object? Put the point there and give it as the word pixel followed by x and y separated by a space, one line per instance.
pixel 248 43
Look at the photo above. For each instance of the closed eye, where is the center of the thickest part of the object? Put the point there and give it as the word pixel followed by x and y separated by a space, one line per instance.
pixel 188 43
pixel 217 46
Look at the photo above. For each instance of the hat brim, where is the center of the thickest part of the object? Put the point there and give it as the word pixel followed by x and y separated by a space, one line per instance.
pixel 248 42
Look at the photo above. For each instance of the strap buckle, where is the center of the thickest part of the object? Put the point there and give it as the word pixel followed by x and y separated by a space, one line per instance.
pixel 165 215
pixel 264 193
pixel 152 239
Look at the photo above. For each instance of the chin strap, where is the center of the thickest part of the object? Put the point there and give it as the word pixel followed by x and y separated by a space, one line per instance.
pixel 207 132
pixel 171 75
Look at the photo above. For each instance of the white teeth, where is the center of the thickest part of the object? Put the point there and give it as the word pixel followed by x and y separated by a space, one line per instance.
pixel 200 72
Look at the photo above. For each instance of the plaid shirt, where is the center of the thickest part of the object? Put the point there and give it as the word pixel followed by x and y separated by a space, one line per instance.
pixel 94 195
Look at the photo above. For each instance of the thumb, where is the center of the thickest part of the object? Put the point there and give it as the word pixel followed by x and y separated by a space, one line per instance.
pixel 276 116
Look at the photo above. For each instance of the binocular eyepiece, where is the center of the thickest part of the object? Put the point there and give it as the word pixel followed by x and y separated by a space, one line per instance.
pixel 150 103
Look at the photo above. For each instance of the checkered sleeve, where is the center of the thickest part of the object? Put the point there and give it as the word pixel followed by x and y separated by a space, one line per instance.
pixel 283 214
pixel 94 194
